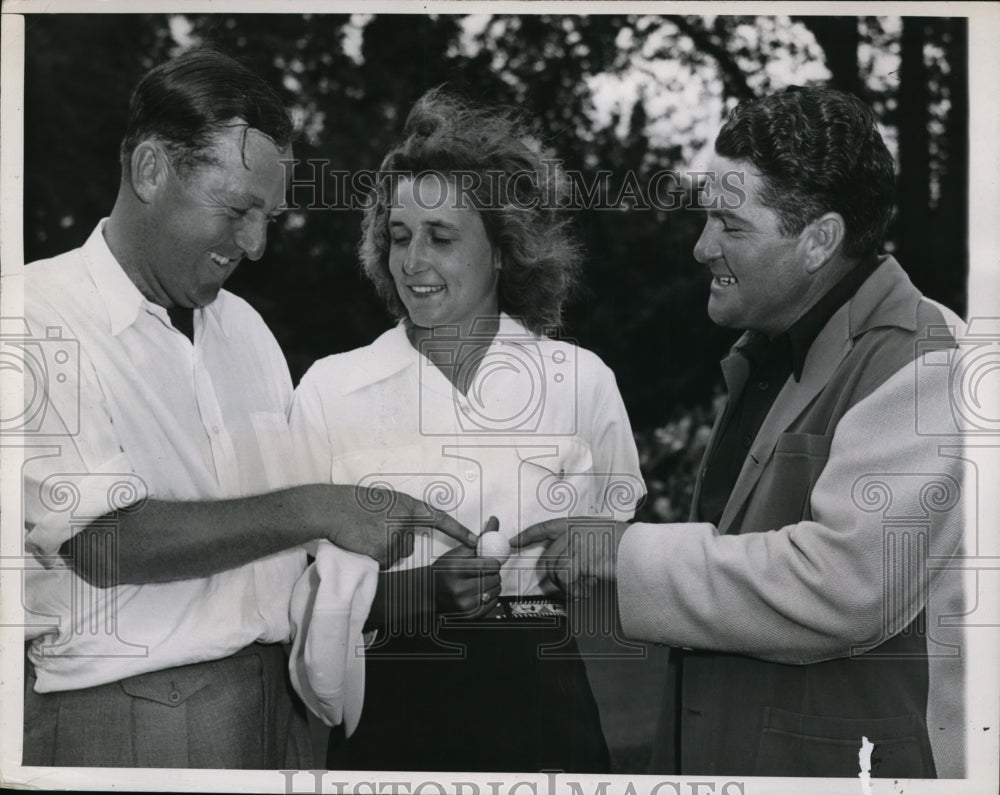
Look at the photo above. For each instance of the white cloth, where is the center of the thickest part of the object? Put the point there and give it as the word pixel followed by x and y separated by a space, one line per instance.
pixel 542 433
pixel 330 603
pixel 136 410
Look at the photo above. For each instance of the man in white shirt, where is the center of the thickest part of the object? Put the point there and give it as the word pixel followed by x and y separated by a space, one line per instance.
pixel 158 491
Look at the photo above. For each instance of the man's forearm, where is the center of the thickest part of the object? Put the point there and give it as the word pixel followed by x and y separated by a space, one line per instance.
pixel 165 541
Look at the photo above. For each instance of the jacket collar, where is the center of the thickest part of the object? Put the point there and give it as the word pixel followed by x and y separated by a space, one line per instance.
pixel 887 298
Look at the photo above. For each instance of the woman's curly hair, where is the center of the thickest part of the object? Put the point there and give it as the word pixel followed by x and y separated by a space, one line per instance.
pixel 500 169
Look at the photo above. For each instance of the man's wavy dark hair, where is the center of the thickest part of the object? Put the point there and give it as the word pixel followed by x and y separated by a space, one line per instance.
pixel 818 150
pixel 185 102
pixel 491 150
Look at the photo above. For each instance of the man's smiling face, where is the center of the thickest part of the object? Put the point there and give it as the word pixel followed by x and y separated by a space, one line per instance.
pixel 759 278
pixel 204 222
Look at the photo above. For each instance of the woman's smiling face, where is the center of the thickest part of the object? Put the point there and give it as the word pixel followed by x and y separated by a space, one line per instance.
pixel 440 257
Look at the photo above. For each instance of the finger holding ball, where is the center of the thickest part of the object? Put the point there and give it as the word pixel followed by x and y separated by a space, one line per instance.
pixel 492 544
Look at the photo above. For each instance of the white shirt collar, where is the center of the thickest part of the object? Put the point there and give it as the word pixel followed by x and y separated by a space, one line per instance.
pixel 121 297
pixel 392 352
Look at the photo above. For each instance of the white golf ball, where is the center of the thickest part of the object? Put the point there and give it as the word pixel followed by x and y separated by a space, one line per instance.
pixel 493 545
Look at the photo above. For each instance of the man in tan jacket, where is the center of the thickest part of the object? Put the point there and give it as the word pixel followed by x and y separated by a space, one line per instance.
pixel 803 594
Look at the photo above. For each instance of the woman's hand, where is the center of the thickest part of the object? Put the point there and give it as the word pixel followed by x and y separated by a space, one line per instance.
pixel 465 585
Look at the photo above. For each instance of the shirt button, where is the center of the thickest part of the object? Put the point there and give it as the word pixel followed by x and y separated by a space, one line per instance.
pixel 215 429
pixel 762 385
pixel 747 441
pixel 470 475
pixel 174 697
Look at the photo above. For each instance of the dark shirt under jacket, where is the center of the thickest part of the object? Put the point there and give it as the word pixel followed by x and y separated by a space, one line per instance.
pixel 771 362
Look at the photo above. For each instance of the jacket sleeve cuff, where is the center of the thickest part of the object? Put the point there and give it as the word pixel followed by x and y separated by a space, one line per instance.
pixel 642 570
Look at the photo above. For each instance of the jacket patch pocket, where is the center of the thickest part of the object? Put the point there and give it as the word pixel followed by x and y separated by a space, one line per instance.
pixel 793 744
pixel 805 444
pixel 788 480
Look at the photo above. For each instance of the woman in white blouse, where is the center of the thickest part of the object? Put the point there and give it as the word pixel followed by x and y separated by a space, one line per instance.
pixel 470 404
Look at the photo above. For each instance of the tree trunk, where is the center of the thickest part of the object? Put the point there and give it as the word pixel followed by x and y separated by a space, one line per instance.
pixel 913 187
pixel 953 207
pixel 839 38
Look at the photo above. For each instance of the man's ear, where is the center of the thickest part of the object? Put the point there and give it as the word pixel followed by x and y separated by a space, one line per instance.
pixel 822 238
pixel 148 170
